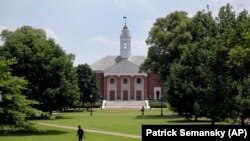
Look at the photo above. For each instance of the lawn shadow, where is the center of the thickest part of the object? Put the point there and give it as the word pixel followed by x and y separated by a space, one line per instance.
pixel 57 117
pixel 63 117
pixel 189 121
pixel 169 116
pixel 42 133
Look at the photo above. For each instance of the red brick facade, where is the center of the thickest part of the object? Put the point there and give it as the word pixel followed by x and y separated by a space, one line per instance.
pixel 154 81
pixel 150 82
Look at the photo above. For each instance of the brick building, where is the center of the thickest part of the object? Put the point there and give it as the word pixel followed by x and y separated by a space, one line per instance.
pixel 118 77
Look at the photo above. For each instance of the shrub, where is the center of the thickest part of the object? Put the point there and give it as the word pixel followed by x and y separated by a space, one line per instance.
pixel 52 117
pixel 97 104
pixel 157 104
pixel 27 128
pixel 45 116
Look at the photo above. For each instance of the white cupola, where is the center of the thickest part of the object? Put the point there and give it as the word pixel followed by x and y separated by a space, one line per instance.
pixel 125 42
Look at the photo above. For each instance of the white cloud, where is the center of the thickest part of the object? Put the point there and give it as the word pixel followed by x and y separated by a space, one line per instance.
pixel 2 27
pixel 51 34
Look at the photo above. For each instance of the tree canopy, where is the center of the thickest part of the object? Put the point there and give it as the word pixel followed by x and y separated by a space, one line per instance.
pixel 14 107
pixel 204 62
pixel 52 80
pixel 87 83
pixel 166 40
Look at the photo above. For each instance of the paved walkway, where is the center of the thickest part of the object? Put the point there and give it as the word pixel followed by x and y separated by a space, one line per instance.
pixel 91 130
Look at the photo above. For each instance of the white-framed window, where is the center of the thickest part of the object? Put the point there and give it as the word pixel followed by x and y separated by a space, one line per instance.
pixel 138 80
pixel 125 80
pixel 112 81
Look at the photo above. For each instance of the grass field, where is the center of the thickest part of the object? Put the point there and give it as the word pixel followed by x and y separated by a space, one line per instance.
pixel 115 120
pixel 58 134
pixel 123 120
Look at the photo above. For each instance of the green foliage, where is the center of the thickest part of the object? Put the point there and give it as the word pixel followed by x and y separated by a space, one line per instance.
pixel 52 80
pixel 52 117
pixel 97 104
pixel 238 62
pixel 123 120
pixel 53 134
pixel 87 83
pixel 166 39
pixel 157 104
pixel 14 108
pixel 204 62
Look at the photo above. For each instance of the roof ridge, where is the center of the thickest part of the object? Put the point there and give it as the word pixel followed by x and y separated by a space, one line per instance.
pixel 120 66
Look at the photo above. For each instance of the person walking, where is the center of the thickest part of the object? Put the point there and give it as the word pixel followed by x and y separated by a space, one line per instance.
pixel 142 111
pixel 80 133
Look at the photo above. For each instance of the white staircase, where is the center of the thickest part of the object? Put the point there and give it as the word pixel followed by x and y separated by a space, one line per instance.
pixel 125 104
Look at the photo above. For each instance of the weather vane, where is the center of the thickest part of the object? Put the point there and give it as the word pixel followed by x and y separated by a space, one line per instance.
pixel 124 17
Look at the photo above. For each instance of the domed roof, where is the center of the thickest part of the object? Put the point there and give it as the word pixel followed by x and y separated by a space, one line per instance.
pixel 125 26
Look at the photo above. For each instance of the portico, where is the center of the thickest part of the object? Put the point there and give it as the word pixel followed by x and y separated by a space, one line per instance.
pixel 125 87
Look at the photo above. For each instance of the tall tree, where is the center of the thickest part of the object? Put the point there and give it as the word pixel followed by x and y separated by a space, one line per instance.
pixel 14 107
pixel 239 60
pixel 87 83
pixel 185 85
pixel 218 100
pixel 49 70
pixel 166 40
pixel 210 67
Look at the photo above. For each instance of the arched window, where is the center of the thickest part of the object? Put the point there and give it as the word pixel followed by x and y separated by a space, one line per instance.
pixel 112 81
pixel 125 81
pixel 138 80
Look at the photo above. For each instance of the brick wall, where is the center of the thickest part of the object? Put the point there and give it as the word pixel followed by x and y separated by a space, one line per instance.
pixel 100 83
pixel 153 80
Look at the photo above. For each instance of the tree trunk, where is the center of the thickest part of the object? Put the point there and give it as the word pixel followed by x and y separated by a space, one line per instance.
pixel 212 122
pixel 195 118
pixel 242 121
pixel 83 106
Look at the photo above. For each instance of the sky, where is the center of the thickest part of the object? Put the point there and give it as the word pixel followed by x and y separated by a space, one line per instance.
pixel 90 29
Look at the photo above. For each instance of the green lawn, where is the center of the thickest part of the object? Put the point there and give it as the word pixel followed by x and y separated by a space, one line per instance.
pixel 119 120
pixel 58 134
pixel 116 120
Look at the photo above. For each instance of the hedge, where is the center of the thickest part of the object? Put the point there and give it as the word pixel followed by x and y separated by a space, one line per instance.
pixel 157 104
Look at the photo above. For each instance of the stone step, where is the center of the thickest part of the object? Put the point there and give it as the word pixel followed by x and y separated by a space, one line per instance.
pixel 125 104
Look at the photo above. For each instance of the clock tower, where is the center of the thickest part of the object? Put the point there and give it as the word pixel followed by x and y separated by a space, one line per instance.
pixel 125 42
